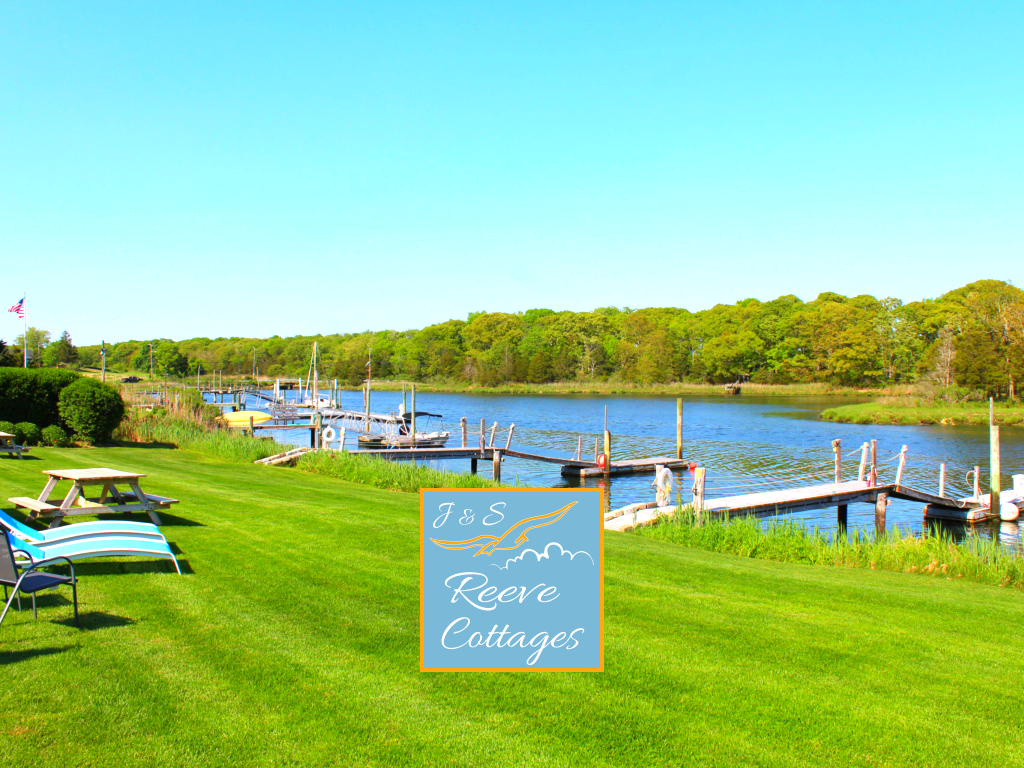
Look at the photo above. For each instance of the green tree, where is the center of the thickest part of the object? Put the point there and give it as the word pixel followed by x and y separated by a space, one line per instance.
pixel 61 352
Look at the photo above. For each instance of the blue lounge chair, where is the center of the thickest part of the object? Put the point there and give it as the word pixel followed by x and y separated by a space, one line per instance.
pixel 78 530
pixel 98 546
pixel 31 579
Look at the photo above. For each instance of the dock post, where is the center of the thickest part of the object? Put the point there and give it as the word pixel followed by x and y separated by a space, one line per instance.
pixel 412 423
pixel 880 503
pixel 511 429
pixel 465 432
pixel 994 461
pixel 404 409
pixel 579 449
pixel 837 449
pixel 252 430
pixel 873 476
pixel 341 439
pixel 903 462
pixel 699 474
pixel 679 428
pixel 977 483
pixel 942 480
pixel 607 447
pixel 863 462
pixel 841 518
pixel 367 405
pixel 481 435
pixel 496 463
pixel 490 443
pixel 596 449
pixel 472 466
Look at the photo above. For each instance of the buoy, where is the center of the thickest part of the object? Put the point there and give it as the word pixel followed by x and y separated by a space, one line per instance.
pixel 1008 511
pixel 328 435
pixel 602 460
pixel 693 465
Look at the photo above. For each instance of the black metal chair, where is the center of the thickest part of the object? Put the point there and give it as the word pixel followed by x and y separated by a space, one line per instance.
pixel 30 580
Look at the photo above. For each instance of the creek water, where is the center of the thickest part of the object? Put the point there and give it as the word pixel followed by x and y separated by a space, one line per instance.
pixel 747 444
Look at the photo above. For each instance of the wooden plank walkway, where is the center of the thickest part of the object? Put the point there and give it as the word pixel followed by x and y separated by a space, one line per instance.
pixel 805 498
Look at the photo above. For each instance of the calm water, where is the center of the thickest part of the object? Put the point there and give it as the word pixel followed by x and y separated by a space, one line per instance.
pixel 748 444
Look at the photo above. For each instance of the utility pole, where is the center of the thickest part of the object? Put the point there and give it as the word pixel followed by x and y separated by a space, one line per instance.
pixel 103 361
pixel 150 362
pixel 254 362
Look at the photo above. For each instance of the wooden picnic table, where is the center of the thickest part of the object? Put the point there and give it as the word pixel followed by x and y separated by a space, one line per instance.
pixel 76 502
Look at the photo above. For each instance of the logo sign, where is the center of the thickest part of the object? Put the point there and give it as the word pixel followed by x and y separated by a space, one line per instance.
pixel 511 580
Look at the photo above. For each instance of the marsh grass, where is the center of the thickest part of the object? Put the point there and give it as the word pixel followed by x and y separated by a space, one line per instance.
pixel 933 553
pixel 922 410
pixel 389 475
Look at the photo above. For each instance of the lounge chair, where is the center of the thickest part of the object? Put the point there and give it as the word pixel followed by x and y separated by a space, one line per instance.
pixel 98 546
pixel 31 579
pixel 78 530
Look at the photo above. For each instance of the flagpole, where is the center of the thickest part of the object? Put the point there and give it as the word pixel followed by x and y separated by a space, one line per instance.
pixel 24 338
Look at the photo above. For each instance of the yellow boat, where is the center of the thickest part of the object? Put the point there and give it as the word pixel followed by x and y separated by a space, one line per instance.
pixel 240 419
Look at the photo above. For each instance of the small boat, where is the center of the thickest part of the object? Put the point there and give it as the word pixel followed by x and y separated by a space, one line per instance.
pixel 403 439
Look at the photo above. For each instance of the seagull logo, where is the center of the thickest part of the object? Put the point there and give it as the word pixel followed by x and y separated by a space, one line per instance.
pixel 514 536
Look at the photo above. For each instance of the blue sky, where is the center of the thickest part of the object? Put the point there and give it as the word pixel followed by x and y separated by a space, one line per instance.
pixel 222 169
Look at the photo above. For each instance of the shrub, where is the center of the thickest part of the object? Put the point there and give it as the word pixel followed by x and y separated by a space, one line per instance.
pixel 30 433
pixel 91 410
pixel 32 394
pixel 55 436
pixel 9 428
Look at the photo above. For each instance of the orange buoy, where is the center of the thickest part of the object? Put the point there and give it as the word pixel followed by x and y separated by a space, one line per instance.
pixel 602 461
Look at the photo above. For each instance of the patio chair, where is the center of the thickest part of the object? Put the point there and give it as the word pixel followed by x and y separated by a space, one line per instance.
pixel 98 546
pixel 78 530
pixel 31 579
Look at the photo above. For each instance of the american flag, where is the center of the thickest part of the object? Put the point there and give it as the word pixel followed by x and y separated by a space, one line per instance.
pixel 19 308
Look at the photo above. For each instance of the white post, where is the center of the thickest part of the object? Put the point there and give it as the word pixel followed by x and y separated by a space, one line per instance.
pixel 903 461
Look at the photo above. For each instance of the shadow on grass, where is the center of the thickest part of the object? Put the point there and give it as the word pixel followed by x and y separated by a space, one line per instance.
pixel 146 566
pixel 130 444
pixel 24 456
pixel 93 620
pixel 141 517
pixel 13 657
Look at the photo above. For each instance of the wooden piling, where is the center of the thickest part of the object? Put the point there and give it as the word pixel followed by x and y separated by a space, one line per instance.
pixel 579 448
pixel 465 432
pixel 597 450
pixel 481 434
pixel 903 462
pixel 977 483
pixel 880 503
pixel 412 418
pixel 942 480
pixel 607 453
pixel 994 468
pixel 496 464
pixel 837 449
pixel 494 429
pixel 841 518
pixel 863 462
pixel 511 429
pixel 873 475
pixel 472 466
pixel 679 428
pixel 699 475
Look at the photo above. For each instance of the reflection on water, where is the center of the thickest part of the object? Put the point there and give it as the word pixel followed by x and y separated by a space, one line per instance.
pixel 748 444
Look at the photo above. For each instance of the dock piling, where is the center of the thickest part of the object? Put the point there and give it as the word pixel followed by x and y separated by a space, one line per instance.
pixel 699 476
pixel 465 432
pixel 837 449
pixel 863 462
pixel 679 428
pixel 511 429
pixel 873 475
pixel 841 518
pixel 942 480
pixel 903 462
pixel 496 464
pixel 881 501
pixel 994 468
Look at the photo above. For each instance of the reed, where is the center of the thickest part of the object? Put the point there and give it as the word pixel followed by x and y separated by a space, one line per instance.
pixel 194 433
pixel 389 475
pixel 932 553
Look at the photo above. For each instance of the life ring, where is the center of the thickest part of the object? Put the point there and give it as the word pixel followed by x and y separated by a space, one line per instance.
pixel 328 435
pixel 602 461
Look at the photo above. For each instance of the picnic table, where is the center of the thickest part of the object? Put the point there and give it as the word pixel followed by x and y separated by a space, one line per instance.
pixel 134 499
pixel 8 446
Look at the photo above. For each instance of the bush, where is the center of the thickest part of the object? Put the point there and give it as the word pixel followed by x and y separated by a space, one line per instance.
pixel 30 433
pixel 91 410
pixel 55 436
pixel 32 394
pixel 9 428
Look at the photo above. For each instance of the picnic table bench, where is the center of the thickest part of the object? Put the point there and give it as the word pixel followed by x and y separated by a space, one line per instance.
pixel 76 502
pixel 8 446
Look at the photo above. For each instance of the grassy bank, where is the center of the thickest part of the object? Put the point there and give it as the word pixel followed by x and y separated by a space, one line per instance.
pixel 236 446
pixel 932 553
pixel 293 639
pixel 910 410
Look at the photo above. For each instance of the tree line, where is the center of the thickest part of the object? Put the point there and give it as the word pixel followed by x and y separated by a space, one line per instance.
pixel 971 337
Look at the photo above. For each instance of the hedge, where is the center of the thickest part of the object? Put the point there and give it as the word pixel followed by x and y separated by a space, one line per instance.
pixel 31 394
pixel 91 410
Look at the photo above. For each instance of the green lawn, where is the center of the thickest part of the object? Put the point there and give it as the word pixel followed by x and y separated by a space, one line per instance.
pixel 918 411
pixel 293 640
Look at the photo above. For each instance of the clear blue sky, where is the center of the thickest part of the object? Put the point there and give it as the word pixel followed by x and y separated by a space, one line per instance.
pixel 227 169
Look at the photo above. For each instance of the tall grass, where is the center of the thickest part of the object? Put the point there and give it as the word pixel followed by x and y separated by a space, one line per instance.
pixel 932 553
pixel 390 475
pixel 191 430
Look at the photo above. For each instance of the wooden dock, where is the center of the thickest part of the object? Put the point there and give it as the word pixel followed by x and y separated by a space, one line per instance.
pixel 823 496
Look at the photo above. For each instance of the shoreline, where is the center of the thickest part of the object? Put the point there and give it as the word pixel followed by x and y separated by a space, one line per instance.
pixel 925 414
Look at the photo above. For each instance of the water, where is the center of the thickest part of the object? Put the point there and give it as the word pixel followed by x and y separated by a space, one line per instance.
pixel 748 444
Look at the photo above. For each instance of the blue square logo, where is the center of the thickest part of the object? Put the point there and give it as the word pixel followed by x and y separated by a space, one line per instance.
pixel 511 580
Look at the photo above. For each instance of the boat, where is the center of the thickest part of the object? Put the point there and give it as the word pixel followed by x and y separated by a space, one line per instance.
pixel 402 439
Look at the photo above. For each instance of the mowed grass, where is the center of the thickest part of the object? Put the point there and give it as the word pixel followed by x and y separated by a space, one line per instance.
pixel 294 640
